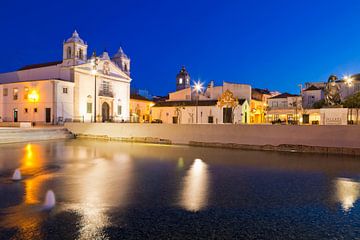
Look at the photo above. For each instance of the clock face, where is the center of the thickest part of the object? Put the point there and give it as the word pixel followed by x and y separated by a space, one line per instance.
pixel 106 68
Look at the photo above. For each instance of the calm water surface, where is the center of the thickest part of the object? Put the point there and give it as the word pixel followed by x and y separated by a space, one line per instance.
pixel 112 190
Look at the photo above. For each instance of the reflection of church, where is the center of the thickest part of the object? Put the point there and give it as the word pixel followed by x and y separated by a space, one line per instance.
pixel 65 90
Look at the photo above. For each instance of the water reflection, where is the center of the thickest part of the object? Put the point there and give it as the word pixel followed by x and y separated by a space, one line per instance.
pixel 194 195
pixel 347 192
pixel 28 218
pixel 31 162
pixel 104 186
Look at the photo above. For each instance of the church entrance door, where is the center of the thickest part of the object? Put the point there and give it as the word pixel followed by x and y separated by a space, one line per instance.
pixel 105 112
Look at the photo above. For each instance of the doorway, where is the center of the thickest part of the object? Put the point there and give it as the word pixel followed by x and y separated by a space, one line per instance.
pixel 47 115
pixel 16 115
pixel 227 115
pixel 105 110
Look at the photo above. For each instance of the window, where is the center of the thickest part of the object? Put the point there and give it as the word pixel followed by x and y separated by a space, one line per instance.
pixel 81 54
pixel 15 93
pixel 5 92
pixel 26 110
pixel 68 52
pixel 65 90
pixel 210 119
pixel 119 110
pixel 180 80
pixel 35 110
pixel 89 107
pixel 26 93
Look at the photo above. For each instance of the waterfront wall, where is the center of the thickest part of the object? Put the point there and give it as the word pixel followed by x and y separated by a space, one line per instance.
pixel 331 139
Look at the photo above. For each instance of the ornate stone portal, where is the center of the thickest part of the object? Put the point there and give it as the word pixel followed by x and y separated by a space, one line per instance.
pixel 227 100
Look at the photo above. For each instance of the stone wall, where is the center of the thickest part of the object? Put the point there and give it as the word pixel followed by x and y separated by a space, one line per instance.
pixel 330 139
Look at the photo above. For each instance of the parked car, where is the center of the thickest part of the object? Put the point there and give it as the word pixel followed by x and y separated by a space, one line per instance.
pixel 278 121
pixel 156 121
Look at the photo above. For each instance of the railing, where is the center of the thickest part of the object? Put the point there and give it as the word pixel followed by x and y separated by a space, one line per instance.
pixel 106 93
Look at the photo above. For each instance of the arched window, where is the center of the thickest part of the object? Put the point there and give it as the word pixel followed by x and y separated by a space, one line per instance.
pixel 69 52
pixel 81 54
pixel 125 67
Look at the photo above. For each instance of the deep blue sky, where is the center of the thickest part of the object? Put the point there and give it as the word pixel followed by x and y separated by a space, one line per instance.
pixel 269 44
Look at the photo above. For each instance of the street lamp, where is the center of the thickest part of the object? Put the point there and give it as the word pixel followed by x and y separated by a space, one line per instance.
pixel 198 87
pixel 348 80
pixel 33 97
pixel 94 62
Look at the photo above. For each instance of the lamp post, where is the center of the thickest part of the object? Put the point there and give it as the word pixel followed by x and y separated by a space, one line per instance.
pixel 33 97
pixel 349 83
pixel 94 62
pixel 197 88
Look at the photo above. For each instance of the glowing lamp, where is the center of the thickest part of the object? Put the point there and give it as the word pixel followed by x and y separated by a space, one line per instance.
pixel 33 96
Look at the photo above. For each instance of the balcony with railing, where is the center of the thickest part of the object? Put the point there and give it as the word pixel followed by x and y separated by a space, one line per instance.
pixel 106 90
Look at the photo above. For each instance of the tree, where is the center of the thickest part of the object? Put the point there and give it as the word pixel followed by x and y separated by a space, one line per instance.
pixel 353 102
pixel 319 104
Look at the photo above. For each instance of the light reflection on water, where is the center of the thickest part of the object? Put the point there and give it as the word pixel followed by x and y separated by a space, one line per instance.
pixel 108 179
pixel 194 195
pixel 103 183
pixel 347 192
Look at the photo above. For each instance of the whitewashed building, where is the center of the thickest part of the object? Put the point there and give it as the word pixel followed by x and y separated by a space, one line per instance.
pixel 54 92
pixel 228 103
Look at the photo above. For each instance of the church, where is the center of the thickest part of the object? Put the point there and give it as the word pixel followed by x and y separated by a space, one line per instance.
pixel 77 88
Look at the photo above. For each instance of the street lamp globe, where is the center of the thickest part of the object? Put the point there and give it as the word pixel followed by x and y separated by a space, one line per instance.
pixel 198 87
pixel 348 80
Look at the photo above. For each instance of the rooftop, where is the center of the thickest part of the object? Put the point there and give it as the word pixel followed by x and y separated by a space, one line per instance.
pixel 139 97
pixel 190 103
pixel 39 65
pixel 312 88
pixel 284 95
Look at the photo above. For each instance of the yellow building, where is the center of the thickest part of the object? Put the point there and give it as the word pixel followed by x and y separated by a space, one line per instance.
pixel 258 105
pixel 140 109
pixel 257 111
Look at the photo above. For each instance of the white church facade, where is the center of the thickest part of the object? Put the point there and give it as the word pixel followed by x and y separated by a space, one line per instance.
pixel 77 88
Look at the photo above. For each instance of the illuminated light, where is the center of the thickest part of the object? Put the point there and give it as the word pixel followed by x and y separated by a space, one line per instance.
pixel 348 80
pixel 33 96
pixel 347 192
pixel 198 87
pixel 93 71
pixel 194 195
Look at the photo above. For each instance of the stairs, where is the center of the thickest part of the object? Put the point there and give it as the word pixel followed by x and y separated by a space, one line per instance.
pixel 13 135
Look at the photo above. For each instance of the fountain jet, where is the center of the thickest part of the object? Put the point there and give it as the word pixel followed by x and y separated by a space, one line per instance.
pixel 49 200
pixel 17 175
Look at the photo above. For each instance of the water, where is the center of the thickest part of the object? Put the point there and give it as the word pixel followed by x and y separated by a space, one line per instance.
pixel 112 190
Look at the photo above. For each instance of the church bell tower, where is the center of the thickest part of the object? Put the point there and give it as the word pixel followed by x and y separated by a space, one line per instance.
pixel 182 79
pixel 74 50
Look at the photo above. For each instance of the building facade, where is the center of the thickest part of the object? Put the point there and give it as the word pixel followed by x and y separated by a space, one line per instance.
pixel 140 109
pixel 228 103
pixel 77 88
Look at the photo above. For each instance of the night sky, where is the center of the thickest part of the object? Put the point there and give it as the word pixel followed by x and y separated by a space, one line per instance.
pixel 268 44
